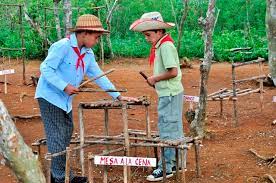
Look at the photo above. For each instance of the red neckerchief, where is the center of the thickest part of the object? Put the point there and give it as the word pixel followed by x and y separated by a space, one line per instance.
pixel 152 50
pixel 80 61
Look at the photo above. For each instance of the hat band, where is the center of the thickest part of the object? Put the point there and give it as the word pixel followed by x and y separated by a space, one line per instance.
pixel 90 26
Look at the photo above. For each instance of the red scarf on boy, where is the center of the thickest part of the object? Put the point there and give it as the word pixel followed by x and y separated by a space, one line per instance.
pixel 153 48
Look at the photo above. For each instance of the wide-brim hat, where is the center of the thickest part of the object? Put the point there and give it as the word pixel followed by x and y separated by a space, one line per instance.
pixel 89 22
pixel 150 21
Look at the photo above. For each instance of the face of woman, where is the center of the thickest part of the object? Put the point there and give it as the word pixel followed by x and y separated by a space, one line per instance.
pixel 153 37
pixel 91 39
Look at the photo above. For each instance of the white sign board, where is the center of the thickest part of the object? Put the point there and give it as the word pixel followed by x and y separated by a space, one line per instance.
pixel 4 72
pixel 274 99
pixel 189 98
pixel 123 160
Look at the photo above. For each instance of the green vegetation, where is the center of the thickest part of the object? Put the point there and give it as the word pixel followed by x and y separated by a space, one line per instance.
pixel 240 23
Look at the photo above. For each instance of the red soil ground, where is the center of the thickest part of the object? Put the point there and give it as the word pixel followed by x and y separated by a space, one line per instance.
pixel 224 156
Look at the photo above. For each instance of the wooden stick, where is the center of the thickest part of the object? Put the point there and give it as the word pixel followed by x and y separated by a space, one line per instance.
pixel 269 177
pixel 81 125
pixel 249 79
pixel 261 87
pixel 163 164
pixel 97 77
pixel 5 84
pixel 100 90
pixel 197 146
pixel 177 163
pixel 183 166
pixel 90 170
pixel 234 85
pixel 67 165
pixel 217 92
pixel 247 63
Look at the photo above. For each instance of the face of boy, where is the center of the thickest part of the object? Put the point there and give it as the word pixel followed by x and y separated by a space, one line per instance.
pixel 91 39
pixel 153 37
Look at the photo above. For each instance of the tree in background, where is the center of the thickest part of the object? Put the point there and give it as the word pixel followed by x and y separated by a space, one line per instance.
pixel 271 36
pixel 208 24
pixel 18 156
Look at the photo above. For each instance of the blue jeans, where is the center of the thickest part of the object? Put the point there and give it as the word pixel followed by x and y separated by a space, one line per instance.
pixel 170 125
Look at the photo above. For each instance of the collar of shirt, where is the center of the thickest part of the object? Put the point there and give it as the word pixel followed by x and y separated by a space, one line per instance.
pixel 74 43
pixel 159 42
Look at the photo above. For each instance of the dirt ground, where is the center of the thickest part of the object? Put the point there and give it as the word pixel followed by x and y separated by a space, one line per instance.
pixel 224 157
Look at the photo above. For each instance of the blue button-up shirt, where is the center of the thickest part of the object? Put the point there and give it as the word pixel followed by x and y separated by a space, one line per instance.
pixel 59 69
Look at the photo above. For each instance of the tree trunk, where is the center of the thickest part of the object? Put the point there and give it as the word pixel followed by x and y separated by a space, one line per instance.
pixel 18 155
pixel 56 14
pixel 271 36
pixel 198 124
pixel 67 16
pixel 34 25
pixel 108 22
pixel 181 24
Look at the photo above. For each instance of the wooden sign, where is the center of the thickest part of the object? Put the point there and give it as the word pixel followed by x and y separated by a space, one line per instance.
pixel 123 160
pixel 189 98
pixel 5 72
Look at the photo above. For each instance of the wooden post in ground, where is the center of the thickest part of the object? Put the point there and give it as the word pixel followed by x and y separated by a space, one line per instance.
pixel 80 112
pixel 163 164
pixel 67 165
pixel 127 178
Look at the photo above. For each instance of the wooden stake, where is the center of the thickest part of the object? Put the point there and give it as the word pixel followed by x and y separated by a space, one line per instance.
pixel 127 178
pixel 163 164
pixel 183 166
pixel 5 84
pixel 197 146
pixel 80 111
pixel 90 169
pixel 67 165
pixel 234 96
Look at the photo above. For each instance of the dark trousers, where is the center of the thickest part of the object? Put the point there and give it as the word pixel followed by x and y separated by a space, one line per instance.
pixel 58 127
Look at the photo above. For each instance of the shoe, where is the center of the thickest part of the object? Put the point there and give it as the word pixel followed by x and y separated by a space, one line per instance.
pixel 78 179
pixel 157 175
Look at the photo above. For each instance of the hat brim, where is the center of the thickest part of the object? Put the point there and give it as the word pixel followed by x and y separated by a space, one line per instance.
pixel 89 29
pixel 145 25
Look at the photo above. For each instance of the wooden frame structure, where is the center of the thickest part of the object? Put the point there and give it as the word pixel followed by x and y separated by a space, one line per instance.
pixel 22 49
pixel 225 94
pixel 129 138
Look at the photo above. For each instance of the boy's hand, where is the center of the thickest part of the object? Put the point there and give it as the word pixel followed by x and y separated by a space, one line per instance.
pixel 128 99
pixel 70 90
pixel 151 81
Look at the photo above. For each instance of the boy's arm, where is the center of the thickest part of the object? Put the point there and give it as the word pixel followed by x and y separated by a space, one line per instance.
pixel 170 73
pixel 49 66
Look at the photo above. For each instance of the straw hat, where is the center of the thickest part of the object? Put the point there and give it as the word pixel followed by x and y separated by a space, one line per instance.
pixel 89 22
pixel 150 21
